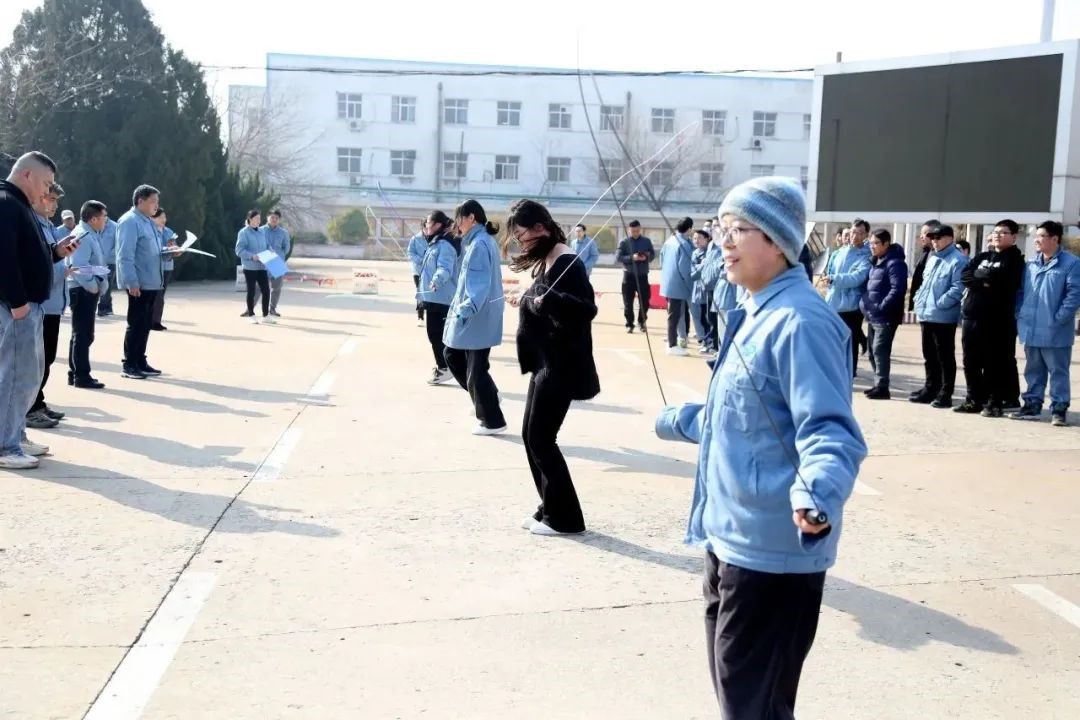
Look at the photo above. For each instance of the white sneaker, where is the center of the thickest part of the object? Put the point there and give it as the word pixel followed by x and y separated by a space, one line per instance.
pixel 421 323
pixel 482 429
pixel 34 449
pixel 677 351
pixel 269 320
pixel 23 462
pixel 539 528
pixel 528 523
pixel 253 320
pixel 438 377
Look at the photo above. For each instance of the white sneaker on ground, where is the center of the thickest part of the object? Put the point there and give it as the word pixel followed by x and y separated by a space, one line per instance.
pixel 678 351
pixel 528 523
pixel 253 320
pixel 438 377
pixel 482 429
pixel 35 449
pixel 539 528
pixel 269 320
pixel 23 462
pixel 421 323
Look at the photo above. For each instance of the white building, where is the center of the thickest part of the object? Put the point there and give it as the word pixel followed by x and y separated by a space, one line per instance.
pixel 432 134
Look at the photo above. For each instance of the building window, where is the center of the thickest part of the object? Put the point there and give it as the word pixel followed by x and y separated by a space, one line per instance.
pixel 404 109
pixel 506 167
pixel 804 176
pixel 349 106
pixel 456 112
pixel 559 116
pixel 663 120
pixel 558 169
pixel 509 114
pixel 454 165
pixel 348 160
pixel 712 175
pixel 402 162
pixel 713 122
pixel 611 117
pixel 664 174
pixel 762 170
pixel 764 124
pixel 807 122
pixel 614 170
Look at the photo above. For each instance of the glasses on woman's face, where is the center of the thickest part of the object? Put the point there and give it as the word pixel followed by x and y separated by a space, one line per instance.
pixel 520 235
pixel 733 234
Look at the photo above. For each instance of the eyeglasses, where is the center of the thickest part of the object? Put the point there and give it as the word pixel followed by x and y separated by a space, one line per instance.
pixel 734 233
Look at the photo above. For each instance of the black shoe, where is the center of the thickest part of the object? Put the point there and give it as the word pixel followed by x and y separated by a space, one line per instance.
pixel 877 393
pixel 992 412
pixel 922 398
pixel 88 383
pixel 916 393
pixel 147 370
pixel 1059 418
pixel 159 327
pixel 71 379
pixel 248 314
pixel 54 414
pixel 968 408
pixel 275 313
pixel 630 330
pixel 642 326
pixel 941 403
pixel 133 373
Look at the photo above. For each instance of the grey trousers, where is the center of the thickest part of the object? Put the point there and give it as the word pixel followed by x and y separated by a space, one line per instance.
pixel 275 292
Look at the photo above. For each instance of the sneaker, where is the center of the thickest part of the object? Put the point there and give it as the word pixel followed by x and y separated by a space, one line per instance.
pixel 133 373
pixel 706 350
pixel 421 323
pixel 528 522
pixel 439 376
pixel 678 351
pixel 916 393
pixel 88 383
pixel 275 313
pixel 921 398
pixel 29 447
pixel 247 314
pixel 1030 411
pixel 253 320
pixel 54 414
pixel 269 320
pixel 147 370
pixel 630 330
pixel 482 429
pixel 38 420
pixel 876 393
pixel 968 408
pixel 539 528
pixel 1059 418
pixel 941 403
pixel 641 326
pixel 683 344
pixel 992 412
pixel 20 461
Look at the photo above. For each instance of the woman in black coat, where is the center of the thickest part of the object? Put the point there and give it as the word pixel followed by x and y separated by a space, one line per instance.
pixel 554 343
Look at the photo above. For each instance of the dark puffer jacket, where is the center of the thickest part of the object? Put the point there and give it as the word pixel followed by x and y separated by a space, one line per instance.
pixel 883 301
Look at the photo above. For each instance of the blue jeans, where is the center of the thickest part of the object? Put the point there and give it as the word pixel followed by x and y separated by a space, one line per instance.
pixel 1043 361
pixel 22 364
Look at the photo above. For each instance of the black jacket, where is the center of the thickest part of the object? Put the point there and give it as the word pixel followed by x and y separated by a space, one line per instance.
pixel 629 247
pixel 992 280
pixel 26 259
pixel 917 275
pixel 556 336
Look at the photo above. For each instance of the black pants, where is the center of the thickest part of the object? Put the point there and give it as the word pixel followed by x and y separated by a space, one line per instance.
pixel 159 302
pixel 939 358
pixel 989 347
pixel 880 338
pixel 140 314
pixel 759 628
pixel 545 409
pixel 436 321
pixel 51 336
pixel 83 311
pixel 258 278
pixel 472 370
pixel 636 285
pixel 854 319
pixel 676 314
pixel 105 303
pixel 419 303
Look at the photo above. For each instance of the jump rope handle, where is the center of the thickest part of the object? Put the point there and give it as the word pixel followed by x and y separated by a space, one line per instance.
pixel 817 517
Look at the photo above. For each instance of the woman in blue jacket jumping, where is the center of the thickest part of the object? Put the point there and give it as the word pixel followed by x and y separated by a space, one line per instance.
pixel 437 280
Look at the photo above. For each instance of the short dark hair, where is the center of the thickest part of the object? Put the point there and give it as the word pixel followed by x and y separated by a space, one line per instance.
pixel 253 213
pixel 702 233
pixel 883 235
pixel 859 222
pixel 56 189
pixel 963 244
pixel 91 209
pixel 634 223
pixel 275 212
pixel 582 226
pixel 932 223
pixel 159 213
pixel 1054 228
pixel 143 192
pixel 685 224
pixel 1006 223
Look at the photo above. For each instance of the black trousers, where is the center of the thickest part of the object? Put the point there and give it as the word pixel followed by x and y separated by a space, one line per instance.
pixel 420 304
pixel 159 302
pixel 939 358
pixel 140 314
pixel 854 320
pixel 545 409
pixel 759 628
pixel 472 370
pixel 51 336
pixel 105 303
pixel 989 347
pixel 258 279
pixel 636 285
pixel 83 311
pixel 436 321
pixel 677 312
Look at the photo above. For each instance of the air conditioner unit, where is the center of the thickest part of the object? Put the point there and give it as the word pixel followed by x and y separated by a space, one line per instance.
pixel 406 179
pixel 356 125
pixel 755 144
pixel 355 180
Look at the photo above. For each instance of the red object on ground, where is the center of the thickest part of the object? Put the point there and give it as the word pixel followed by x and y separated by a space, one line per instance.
pixel 656 300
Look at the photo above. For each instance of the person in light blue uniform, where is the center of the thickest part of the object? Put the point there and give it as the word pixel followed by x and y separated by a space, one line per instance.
pixel 168 240
pixel 437 285
pixel 585 248
pixel 676 285
pixel 249 243
pixel 278 240
pixel 1046 319
pixel 107 241
pixel 474 323
pixel 138 270
pixel 418 246
pixel 779 445
pixel 701 296
pixel 937 307
pixel 849 269
pixel 85 289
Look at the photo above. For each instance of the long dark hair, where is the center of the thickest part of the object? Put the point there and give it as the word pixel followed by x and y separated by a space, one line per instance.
pixel 472 207
pixel 438 216
pixel 526 214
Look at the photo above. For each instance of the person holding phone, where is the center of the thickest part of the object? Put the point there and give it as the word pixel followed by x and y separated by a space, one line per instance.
pixel 85 290
pixel 139 271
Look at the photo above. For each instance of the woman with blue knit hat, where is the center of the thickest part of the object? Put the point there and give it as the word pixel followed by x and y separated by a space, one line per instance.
pixel 779 453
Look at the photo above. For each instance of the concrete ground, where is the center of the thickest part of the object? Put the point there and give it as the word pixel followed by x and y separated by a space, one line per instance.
pixel 291 524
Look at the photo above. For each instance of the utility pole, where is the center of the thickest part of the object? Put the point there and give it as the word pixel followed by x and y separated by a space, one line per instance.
pixel 1047 33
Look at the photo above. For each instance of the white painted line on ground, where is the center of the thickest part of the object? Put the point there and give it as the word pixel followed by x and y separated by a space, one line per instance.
pixel 862 488
pixel 1052 602
pixel 628 356
pixel 132 685
pixel 348 347
pixel 322 386
pixel 278 458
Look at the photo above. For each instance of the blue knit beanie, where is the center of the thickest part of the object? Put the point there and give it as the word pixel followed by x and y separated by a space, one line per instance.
pixel 777 206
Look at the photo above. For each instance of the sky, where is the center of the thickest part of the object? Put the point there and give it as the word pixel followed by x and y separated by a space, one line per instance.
pixel 686 35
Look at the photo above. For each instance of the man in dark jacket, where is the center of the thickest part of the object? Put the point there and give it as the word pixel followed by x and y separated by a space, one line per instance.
pixel 26 273
pixel 992 279
pixel 883 305
pixel 635 253
pixel 920 266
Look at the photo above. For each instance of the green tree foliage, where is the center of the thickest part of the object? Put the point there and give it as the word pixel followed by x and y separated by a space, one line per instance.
pixel 349 228
pixel 93 84
pixel 605 240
